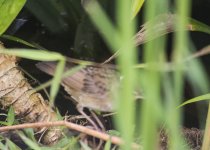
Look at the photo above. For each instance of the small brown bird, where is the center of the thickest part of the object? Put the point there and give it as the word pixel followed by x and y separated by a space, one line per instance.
pixel 91 86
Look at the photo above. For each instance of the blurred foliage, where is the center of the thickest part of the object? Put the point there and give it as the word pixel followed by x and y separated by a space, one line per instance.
pixel 65 22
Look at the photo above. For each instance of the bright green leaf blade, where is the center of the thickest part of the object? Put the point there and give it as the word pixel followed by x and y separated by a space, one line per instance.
pixel 137 4
pixel 41 55
pixel 29 142
pixel 107 145
pixel 3 123
pixel 114 133
pixel 197 76
pixel 10 116
pixel 12 145
pixel 199 26
pixel 30 133
pixel 9 9
pixel 196 99
pixel 56 80
pixel 2 146
pixel 85 146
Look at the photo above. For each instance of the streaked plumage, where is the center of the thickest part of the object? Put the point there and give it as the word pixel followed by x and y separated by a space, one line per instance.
pixel 90 87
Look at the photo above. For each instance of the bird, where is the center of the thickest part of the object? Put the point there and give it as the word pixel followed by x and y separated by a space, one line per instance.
pixel 91 87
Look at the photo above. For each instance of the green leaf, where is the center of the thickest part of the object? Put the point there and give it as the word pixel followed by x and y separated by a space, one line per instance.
pixel 41 55
pixel 107 145
pixel 16 39
pixel 9 9
pixel 12 145
pixel 3 123
pixel 196 99
pixel 30 133
pixel 2 146
pixel 64 144
pixel 84 146
pixel 113 132
pixel 29 142
pixel 197 76
pixel 136 6
pixel 56 80
pixel 199 26
pixel 10 116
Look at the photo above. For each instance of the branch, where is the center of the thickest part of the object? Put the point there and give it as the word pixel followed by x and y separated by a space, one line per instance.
pixel 97 134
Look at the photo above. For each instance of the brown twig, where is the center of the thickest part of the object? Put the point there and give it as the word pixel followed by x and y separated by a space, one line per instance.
pixel 199 53
pixel 97 134
pixel 159 26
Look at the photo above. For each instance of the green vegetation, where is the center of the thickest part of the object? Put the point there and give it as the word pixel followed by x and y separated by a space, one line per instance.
pixel 163 90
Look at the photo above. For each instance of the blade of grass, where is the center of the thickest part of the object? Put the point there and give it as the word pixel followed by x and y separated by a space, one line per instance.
pixel 29 142
pixel 107 145
pixel 56 80
pixel 115 39
pixel 206 139
pixel 126 60
pixel 195 99
pixel 41 55
pixel 3 146
pixel 10 116
pixel 136 6
pixel 12 145
pixel 85 146
pixel 151 110
pixel 174 116
pixel 16 39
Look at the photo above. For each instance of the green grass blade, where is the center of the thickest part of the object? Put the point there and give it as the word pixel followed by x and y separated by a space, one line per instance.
pixel 206 139
pixel 136 6
pixel 29 132
pixel 18 40
pixel 12 145
pixel 195 99
pixel 197 77
pixel 199 26
pixel 29 142
pixel 56 80
pixel 85 146
pixel 180 48
pixel 3 146
pixel 10 116
pixel 41 55
pixel 107 145
pixel 126 60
